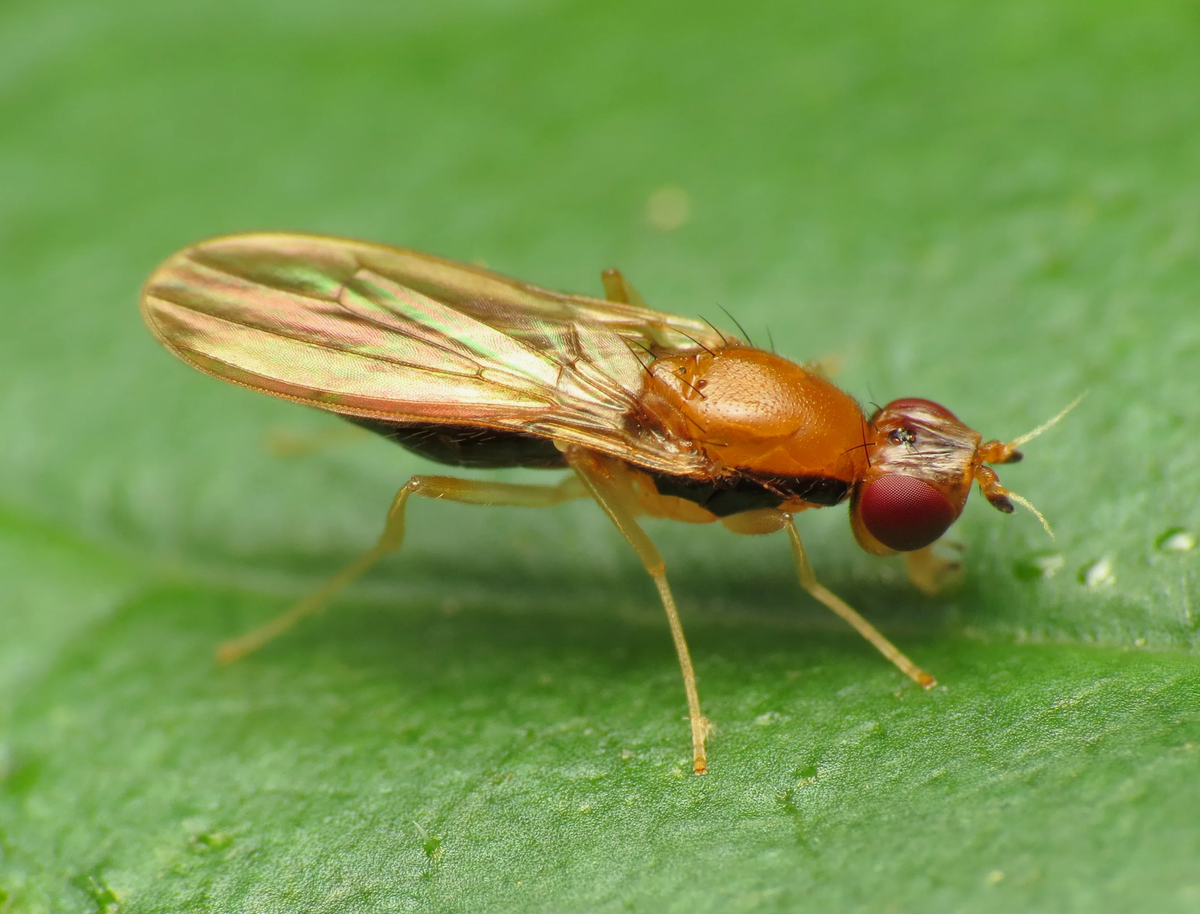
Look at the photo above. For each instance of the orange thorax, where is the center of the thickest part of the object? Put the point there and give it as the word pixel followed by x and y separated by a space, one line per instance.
pixel 754 410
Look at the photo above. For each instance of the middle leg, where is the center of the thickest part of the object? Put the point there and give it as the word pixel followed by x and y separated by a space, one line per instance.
pixel 601 478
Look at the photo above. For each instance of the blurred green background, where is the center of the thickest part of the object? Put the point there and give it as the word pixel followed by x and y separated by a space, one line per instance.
pixel 993 205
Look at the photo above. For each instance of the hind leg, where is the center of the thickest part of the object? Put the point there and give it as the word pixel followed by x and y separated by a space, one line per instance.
pixel 466 491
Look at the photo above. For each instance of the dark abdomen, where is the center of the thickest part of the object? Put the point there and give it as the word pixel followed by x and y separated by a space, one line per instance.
pixel 726 497
pixel 469 445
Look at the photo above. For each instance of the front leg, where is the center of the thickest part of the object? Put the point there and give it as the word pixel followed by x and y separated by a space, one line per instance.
pixel 808 580
pixel 932 574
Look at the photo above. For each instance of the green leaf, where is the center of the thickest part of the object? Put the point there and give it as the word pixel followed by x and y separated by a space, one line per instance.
pixel 992 206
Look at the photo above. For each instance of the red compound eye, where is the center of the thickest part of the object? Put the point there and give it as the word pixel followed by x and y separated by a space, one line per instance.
pixel 903 512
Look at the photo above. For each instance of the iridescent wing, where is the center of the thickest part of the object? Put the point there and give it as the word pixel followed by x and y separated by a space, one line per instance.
pixel 390 334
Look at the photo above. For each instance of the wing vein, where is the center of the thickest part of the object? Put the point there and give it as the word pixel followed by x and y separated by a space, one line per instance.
pixel 374 331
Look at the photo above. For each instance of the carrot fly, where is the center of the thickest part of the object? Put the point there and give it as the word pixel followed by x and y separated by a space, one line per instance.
pixel 655 415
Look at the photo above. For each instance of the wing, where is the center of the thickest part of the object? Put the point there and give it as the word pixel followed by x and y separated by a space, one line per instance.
pixel 385 333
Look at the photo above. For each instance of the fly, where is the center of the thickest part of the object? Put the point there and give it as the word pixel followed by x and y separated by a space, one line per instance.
pixel 654 415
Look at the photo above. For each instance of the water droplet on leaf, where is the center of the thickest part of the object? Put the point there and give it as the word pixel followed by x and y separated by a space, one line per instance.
pixel 1038 566
pixel 1176 539
pixel 1098 575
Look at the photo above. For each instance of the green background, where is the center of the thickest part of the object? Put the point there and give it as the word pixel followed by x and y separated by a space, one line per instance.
pixel 993 205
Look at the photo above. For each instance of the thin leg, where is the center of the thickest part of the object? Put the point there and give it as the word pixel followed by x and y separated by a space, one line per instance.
pixel 619 289
pixel 809 582
pixel 467 491
pixel 601 480
pixel 929 572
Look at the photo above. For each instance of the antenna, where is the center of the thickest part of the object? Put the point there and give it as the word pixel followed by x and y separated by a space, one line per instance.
pixel 1026 503
pixel 1029 436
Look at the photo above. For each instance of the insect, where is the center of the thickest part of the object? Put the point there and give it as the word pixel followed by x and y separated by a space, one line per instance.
pixel 655 415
